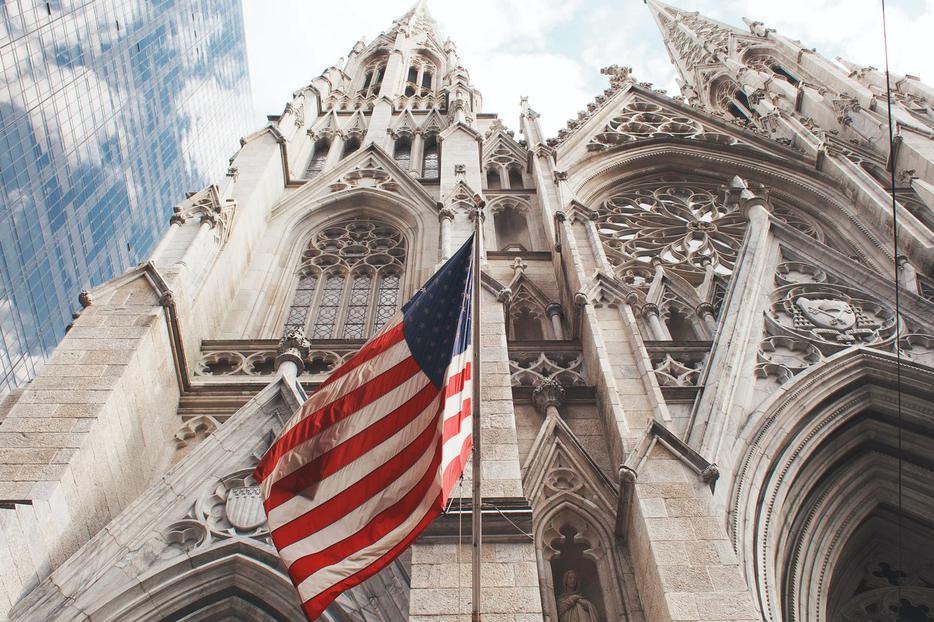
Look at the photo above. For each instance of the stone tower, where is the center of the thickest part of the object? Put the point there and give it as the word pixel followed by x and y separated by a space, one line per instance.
pixel 700 401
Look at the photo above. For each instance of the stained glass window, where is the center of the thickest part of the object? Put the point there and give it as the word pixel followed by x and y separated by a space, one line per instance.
pixel 357 266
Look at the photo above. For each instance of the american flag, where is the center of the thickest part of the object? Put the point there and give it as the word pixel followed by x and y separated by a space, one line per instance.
pixel 371 458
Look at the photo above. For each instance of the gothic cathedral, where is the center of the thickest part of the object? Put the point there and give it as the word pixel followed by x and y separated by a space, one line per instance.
pixel 708 380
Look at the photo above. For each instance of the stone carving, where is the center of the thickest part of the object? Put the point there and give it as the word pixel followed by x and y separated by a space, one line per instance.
pixel 232 509
pixel 251 361
pixel 367 174
pixel 572 606
pixel 683 226
pixel 830 315
pixel 783 357
pixel 892 589
pixel 795 272
pixel 837 315
pixel 529 369
pixel 641 120
pixel 671 372
pixel 918 348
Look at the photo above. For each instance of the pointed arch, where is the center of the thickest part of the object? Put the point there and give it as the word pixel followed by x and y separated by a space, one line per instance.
pixel 819 460
pixel 573 518
pixel 802 198
pixel 511 223
pixel 212 580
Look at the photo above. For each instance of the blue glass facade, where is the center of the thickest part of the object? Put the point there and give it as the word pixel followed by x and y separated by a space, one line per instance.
pixel 110 110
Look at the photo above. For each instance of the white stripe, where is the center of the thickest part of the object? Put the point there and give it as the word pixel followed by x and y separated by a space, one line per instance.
pixel 330 437
pixel 352 473
pixel 452 446
pixel 362 516
pixel 321 580
pixel 359 376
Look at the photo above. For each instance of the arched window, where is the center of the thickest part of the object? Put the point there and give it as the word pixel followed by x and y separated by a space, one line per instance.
pixel 403 152
pixel 492 179
pixel 431 158
pixel 318 158
pixel 350 281
pixel 373 78
pixel 515 178
pixel 420 78
pixel 350 145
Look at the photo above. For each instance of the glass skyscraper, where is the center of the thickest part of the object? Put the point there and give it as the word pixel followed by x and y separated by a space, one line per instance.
pixel 110 110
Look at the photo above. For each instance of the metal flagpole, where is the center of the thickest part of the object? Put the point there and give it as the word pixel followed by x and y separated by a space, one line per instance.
pixel 475 317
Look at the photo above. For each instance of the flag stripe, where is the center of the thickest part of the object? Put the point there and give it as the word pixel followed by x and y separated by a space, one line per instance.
pixel 342 443
pixel 316 605
pixel 390 336
pixel 321 468
pixel 455 466
pixel 333 412
pixel 310 557
pixel 322 513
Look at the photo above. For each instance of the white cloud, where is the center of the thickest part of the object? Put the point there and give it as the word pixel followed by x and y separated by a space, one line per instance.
pixel 552 50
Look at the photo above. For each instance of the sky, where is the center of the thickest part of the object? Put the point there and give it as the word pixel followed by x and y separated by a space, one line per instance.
pixel 552 50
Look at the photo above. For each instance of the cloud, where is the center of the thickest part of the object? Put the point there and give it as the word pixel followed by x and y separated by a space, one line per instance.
pixel 552 50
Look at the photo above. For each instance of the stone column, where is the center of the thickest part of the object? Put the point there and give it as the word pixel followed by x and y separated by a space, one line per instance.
pixel 688 570
pixel 440 570
pixel 291 353
pixel 556 312
pixel 415 155
pixel 446 216
pixel 650 313
pixel 334 152
pixel 705 312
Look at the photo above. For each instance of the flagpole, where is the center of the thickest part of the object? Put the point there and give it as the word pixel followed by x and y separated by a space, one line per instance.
pixel 476 520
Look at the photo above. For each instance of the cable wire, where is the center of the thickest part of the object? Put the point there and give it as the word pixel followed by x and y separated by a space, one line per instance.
pixel 895 257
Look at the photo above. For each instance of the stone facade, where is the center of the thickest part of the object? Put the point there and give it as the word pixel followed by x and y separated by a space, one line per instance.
pixel 701 397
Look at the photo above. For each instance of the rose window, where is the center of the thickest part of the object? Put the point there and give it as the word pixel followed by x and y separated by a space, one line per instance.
pixel 686 228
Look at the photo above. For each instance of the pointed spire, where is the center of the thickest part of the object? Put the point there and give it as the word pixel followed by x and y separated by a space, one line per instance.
pixel 417 19
pixel 691 38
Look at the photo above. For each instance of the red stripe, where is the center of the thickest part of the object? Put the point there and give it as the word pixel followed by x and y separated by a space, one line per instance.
pixel 452 425
pixel 347 500
pixel 376 528
pixel 456 382
pixel 330 414
pixel 370 349
pixel 454 469
pixel 303 480
pixel 316 606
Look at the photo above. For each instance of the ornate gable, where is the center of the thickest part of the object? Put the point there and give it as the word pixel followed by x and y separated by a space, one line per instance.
pixel 434 123
pixel 369 168
pixel 501 150
pixel 405 125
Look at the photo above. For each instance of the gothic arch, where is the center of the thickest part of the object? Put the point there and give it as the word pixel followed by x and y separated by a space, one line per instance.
pixel 818 461
pixel 815 198
pixel 416 223
pixel 574 508
pixel 511 226
pixel 202 582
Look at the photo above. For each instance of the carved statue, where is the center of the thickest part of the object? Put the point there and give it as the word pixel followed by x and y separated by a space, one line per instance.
pixel 572 606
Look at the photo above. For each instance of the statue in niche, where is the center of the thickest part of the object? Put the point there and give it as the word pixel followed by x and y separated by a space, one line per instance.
pixel 572 606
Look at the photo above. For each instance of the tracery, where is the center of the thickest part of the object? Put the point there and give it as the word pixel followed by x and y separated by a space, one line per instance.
pixel 682 224
pixel 349 281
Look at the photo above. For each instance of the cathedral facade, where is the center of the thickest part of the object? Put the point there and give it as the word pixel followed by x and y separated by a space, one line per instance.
pixel 707 383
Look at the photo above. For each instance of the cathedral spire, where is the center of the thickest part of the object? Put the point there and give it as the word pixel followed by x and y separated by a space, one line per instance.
pixel 692 39
pixel 415 20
